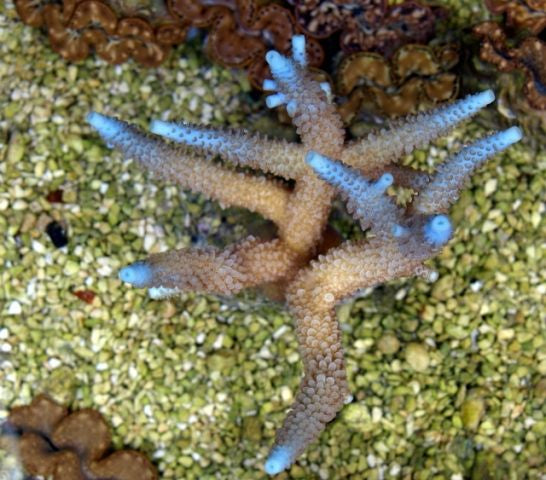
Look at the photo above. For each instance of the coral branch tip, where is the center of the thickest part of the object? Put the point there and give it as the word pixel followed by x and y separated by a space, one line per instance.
pixel 107 127
pixel 279 460
pixel 282 68
pixel 438 230
pixel 509 136
pixel 298 50
pixel 138 274
pixel 275 100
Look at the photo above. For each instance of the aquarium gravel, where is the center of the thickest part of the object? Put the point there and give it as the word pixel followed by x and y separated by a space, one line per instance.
pixel 448 379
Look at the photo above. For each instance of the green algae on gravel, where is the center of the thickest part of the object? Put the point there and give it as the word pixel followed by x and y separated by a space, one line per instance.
pixel 201 383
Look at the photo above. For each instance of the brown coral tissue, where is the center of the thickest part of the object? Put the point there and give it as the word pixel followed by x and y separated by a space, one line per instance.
pixel 114 31
pixel 527 56
pixel 51 442
pixel 367 25
pixel 521 14
pixel 241 31
pixel 416 77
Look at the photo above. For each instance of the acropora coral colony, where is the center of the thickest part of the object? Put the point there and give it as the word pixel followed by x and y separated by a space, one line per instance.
pixel 399 240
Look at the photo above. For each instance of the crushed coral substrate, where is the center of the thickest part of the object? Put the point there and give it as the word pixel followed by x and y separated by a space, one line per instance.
pixel 448 379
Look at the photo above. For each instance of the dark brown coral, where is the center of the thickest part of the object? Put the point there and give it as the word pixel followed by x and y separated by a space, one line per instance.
pixel 367 25
pixel 416 77
pixel 521 14
pixel 241 31
pixel 75 27
pixel 72 446
pixel 528 56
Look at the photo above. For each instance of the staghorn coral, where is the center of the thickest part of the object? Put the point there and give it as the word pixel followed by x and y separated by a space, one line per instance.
pixel 76 27
pixel 528 56
pixel 54 443
pixel 401 238
pixel 416 76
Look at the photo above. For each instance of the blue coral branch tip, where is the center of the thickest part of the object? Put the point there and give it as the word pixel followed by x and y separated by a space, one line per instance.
pixel 270 85
pixel 282 68
pixel 279 460
pixel 185 134
pixel 464 108
pixel 383 182
pixel 319 162
pixel 438 230
pixel 508 137
pixel 327 89
pixel 138 274
pixel 298 50
pixel 477 101
pixel 107 127
pixel 484 98
pixel 275 100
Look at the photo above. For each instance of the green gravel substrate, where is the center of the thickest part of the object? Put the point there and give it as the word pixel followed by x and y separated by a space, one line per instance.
pixel 448 379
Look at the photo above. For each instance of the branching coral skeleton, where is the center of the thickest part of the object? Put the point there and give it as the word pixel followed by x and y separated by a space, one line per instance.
pixel 400 239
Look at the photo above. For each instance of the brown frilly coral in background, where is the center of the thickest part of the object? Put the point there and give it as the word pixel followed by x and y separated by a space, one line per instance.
pixel 521 14
pixel 527 56
pixel 241 31
pixel 367 25
pixel 416 77
pixel 75 27
pixel 54 443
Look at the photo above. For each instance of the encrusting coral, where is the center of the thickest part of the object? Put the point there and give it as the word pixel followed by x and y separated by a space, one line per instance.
pixel 53 443
pixel 76 27
pixel 400 239
pixel 521 14
pixel 416 76
pixel 528 56
pixel 240 32
pixel 367 25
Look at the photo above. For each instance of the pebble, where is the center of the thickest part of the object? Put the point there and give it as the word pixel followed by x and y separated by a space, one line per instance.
pixel 417 357
pixel 14 308
pixel 388 344
pixel 472 411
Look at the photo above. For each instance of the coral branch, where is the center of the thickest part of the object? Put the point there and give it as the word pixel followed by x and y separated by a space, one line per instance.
pixel 365 200
pixel 446 184
pixel 320 128
pixel 311 299
pixel 276 156
pixel 377 150
pixel 316 119
pixel 229 188
pixel 209 270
